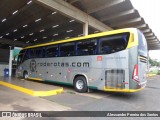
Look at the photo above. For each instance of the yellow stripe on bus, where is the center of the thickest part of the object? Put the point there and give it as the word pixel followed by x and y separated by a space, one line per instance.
pixel 38 79
pixel 133 40
pixel 121 90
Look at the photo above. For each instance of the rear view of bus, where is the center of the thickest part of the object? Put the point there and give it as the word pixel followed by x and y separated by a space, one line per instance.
pixel 138 65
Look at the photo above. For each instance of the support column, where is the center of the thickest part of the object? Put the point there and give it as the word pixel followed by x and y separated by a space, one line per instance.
pixel 85 29
pixel 10 61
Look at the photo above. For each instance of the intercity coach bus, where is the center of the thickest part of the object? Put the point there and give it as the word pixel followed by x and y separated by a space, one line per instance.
pixel 110 61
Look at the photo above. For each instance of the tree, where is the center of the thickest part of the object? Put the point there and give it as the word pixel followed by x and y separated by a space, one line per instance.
pixel 153 62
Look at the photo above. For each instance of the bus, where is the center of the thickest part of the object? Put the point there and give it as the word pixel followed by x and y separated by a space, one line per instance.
pixel 109 61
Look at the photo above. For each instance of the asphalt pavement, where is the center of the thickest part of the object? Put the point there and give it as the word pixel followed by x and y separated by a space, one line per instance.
pixel 144 100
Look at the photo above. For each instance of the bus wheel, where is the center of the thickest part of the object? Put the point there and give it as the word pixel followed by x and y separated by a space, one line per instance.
pixel 80 84
pixel 25 75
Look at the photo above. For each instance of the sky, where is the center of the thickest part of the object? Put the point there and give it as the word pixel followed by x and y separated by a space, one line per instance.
pixel 150 11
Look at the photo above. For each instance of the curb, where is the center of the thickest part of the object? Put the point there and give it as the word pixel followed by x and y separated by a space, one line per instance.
pixel 149 75
pixel 32 92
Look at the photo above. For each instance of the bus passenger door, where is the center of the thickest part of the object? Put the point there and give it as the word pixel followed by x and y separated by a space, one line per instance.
pixel 34 68
pixel 37 64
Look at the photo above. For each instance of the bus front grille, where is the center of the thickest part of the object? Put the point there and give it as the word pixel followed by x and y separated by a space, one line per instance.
pixel 114 78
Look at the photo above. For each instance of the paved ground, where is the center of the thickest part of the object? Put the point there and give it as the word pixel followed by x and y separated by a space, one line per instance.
pixel 29 84
pixel 14 100
pixel 145 100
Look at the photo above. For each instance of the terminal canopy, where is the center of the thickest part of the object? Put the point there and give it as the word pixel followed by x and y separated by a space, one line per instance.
pixel 26 22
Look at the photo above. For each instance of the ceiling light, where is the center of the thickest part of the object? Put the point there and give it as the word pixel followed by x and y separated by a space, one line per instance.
pixel 38 20
pixel 15 12
pixel 55 34
pixel 29 2
pixel 35 40
pixel 7 34
pixel 27 42
pixel 44 37
pixel 54 13
pixel 25 25
pixel 41 30
pixel 15 30
pixel 31 34
pixel 71 20
pixel 69 31
pixel 1 37
pixel 55 26
pixel 4 20
pixel 22 37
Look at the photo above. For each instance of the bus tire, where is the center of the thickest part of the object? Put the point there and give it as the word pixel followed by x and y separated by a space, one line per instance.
pixel 80 84
pixel 25 75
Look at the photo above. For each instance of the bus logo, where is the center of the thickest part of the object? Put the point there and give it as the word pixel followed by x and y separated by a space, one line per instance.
pixel 99 58
pixel 33 65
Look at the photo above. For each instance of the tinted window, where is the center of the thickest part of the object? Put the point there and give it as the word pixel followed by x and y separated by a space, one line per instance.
pixel 114 43
pixel 39 52
pixel 52 51
pixel 26 55
pixel 31 53
pixel 20 57
pixel 67 49
pixel 88 47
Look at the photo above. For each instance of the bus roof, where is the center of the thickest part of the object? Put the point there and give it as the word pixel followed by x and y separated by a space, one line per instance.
pixel 85 37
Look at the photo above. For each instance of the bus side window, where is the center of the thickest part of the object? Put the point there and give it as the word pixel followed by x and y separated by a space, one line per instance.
pixel 26 55
pixel 39 53
pixel 20 57
pixel 32 53
pixel 88 47
pixel 111 44
pixel 105 49
pixel 67 49
pixel 52 51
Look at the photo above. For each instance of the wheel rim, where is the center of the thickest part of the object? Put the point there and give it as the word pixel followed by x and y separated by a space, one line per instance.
pixel 26 75
pixel 79 84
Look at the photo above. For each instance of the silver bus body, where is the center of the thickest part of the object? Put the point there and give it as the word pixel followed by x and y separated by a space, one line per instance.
pixel 108 72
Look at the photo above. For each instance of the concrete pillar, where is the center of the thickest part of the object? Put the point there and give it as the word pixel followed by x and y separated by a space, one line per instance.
pixel 85 29
pixel 10 61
